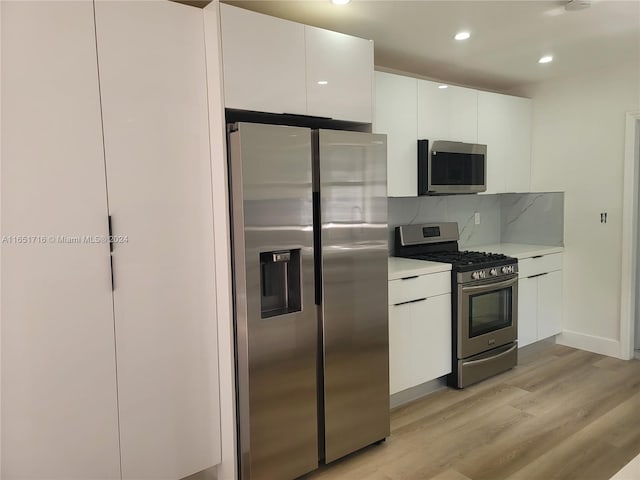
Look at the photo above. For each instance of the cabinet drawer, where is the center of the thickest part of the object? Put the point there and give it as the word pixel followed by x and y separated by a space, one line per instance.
pixel 536 265
pixel 423 286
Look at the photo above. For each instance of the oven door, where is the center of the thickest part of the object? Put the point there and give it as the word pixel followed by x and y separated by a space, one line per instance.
pixel 487 315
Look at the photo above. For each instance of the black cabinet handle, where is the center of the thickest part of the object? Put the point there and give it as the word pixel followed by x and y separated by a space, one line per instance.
pixel 410 278
pixel 539 275
pixel 410 301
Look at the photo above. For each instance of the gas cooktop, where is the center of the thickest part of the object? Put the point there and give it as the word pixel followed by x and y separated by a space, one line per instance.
pixel 438 242
pixel 465 260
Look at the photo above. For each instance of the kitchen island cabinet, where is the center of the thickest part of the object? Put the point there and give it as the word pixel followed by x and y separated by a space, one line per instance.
pixel 419 322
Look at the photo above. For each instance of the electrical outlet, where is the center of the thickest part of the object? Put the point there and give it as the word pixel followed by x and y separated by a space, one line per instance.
pixel 477 218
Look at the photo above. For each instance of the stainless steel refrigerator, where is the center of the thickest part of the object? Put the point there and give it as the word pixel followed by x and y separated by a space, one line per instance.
pixel 309 216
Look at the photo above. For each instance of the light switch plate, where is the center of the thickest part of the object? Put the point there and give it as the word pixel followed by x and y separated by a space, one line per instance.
pixel 477 218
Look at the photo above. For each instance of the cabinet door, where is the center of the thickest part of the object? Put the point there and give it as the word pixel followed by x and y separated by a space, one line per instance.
pixel 504 125
pixel 396 115
pixel 59 405
pixel 527 311
pixel 154 99
pixel 408 357
pixel 549 304
pixel 339 71
pixel 447 113
pixel 518 138
pixel 435 337
pixel 263 62
pixel 419 342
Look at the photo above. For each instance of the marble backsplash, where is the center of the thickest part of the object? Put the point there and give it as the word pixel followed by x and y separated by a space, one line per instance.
pixel 533 218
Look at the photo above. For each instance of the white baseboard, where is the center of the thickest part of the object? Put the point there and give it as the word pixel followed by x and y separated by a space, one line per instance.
pixel 591 343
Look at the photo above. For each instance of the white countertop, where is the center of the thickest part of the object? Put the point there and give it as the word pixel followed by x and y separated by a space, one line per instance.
pixel 407 267
pixel 518 250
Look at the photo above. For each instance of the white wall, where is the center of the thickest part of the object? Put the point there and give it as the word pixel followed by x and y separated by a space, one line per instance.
pixel 578 147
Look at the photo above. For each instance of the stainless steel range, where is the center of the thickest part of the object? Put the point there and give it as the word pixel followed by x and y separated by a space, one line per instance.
pixel 484 300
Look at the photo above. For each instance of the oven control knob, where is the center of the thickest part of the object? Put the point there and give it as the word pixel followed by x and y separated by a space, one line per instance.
pixel 478 275
pixel 508 269
pixel 493 272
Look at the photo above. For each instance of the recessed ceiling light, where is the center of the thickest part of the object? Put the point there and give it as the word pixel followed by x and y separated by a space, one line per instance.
pixel 462 35
pixel 545 59
pixel 340 2
pixel 443 86
pixel 322 82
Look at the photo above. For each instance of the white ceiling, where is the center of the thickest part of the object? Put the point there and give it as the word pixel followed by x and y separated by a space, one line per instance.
pixel 507 37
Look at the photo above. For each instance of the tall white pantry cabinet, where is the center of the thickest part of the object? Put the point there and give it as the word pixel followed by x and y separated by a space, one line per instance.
pixel 105 113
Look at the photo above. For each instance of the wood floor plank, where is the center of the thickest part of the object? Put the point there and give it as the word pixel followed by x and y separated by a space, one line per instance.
pixel 559 370
pixel 586 453
pixel 450 474
pixel 557 419
pixel 562 414
pixel 431 452
pixel 419 409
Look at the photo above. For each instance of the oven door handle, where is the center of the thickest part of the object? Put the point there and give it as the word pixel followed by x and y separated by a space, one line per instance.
pixel 492 358
pixel 490 286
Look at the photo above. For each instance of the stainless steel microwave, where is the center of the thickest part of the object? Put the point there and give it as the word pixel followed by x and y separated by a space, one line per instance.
pixel 451 167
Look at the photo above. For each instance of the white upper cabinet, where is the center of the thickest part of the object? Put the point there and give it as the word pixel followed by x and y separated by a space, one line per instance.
pixel 447 113
pixel 264 62
pixel 339 75
pixel 396 115
pixel 277 66
pixel 504 125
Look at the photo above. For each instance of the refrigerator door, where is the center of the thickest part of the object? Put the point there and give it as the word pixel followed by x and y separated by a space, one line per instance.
pixel 275 315
pixel 353 197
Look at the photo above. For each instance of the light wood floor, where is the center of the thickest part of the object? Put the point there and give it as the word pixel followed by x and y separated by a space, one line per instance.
pixel 561 414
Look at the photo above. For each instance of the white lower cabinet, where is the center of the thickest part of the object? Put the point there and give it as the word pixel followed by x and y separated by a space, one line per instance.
pixel 419 339
pixel 550 304
pixel 527 311
pixel 539 298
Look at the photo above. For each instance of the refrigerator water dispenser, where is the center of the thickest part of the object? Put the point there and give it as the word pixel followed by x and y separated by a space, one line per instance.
pixel 280 282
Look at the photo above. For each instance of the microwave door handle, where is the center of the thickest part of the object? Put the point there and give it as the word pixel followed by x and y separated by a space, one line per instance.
pixel 491 286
